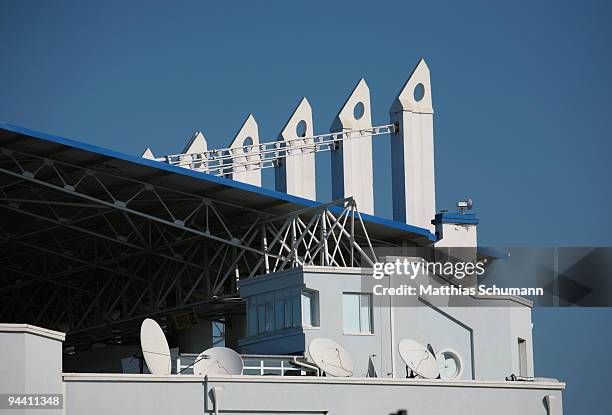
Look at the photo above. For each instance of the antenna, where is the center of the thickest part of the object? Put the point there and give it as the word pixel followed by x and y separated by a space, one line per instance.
pixel 155 348
pixel 464 205
pixel 218 361
pixel 418 359
pixel 330 357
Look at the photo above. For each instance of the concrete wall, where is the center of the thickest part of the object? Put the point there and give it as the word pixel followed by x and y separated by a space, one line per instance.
pixel 30 362
pixel 191 395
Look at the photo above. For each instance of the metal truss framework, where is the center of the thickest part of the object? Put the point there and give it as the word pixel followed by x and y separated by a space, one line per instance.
pixel 92 253
pixel 226 161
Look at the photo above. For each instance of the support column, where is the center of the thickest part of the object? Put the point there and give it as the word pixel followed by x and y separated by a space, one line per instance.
pixel 412 151
pixel 351 161
pixel 245 142
pixel 295 174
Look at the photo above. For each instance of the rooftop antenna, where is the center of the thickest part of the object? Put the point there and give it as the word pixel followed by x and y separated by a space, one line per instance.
pixel 330 357
pixel 218 361
pixel 464 205
pixel 155 348
pixel 419 360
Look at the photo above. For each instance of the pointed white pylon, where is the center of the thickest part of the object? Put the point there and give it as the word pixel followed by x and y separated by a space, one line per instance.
pixel 295 174
pixel 412 151
pixel 148 154
pixel 245 142
pixel 409 98
pixel 351 161
pixel 193 156
pixel 196 144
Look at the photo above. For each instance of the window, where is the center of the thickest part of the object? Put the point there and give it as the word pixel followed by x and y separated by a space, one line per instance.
pixel 279 313
pixel 261 318
pixel 296 308
pixel 281 309
pixel 357 313
pixel 270 316
pixel 522 355
pixel 310 309
pixel 252 316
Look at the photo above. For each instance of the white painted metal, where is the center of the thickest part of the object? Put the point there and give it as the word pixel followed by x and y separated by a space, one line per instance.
pixel 196 144
pixel 218 361
pixel 245 155
pixel 296 175
pixel 148 154
pixel 352 173
pixel 412 152
pixel 331 358
pixel 155 348
pixel 192 153
pixel 220 161
pixel 418 359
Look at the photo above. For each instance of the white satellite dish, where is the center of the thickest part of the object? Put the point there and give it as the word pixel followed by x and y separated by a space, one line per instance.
pixel 450 364
pixel 418 359
pixel 330 357
pixel 218 361
pixel 155 348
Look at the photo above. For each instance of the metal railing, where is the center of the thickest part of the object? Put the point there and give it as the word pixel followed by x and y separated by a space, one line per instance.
pixel 256 365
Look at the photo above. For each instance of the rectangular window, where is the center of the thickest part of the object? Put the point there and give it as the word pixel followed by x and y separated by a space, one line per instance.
pixel 357 313
pixel 310 309
pixel 288 314
pixel 269 317
pixel 296 307
pixel 252 320
pixel 279 314
pixel 522 355
pixel 261 318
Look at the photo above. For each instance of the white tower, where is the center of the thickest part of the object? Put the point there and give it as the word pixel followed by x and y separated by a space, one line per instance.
pixel 245 142
pixel 351 162
pixel 295 174
pixel 412 151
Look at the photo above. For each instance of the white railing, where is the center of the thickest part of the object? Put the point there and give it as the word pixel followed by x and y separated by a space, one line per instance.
pixel 256 365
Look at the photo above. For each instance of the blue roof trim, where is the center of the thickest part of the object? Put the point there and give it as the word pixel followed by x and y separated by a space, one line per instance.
pixel 212 178
pixel 458 218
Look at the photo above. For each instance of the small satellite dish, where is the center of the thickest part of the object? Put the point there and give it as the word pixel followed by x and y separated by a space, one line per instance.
pixel 155 348
pixel 330 357
pixel 218 361
pixel 418 359
pixel 449 364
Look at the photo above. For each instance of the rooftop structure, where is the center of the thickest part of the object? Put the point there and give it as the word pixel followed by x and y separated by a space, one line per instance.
pixel 94 242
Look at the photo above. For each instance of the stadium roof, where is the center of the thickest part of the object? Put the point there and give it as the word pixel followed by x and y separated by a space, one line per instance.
pixel 189 181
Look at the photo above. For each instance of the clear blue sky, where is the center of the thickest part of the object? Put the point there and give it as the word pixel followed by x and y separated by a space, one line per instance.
pixel 522 93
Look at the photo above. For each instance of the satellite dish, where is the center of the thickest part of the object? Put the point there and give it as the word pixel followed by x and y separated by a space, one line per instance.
pixel 449 364
pixel 218 361
pixel 418 359
pixel 155 347
pixel 330 357
pixel 470 203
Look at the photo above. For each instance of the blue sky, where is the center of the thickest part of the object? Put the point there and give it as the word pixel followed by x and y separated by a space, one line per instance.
pixel 522 93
